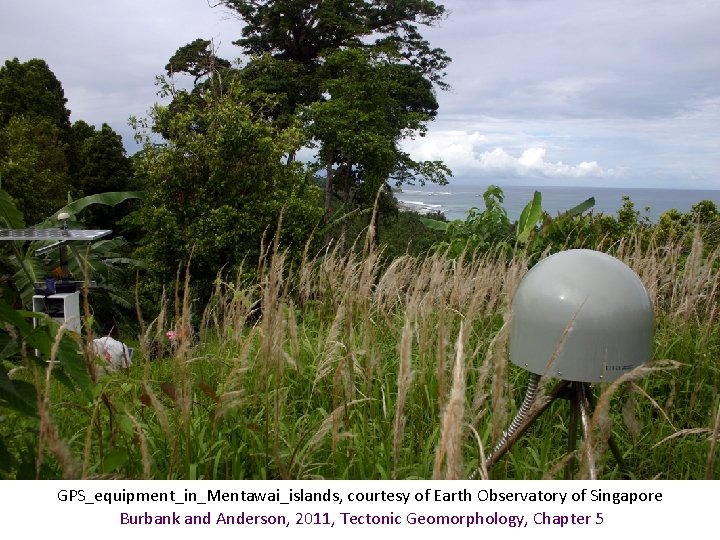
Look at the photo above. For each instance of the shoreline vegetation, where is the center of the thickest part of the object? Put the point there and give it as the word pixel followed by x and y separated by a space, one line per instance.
pixel 454 200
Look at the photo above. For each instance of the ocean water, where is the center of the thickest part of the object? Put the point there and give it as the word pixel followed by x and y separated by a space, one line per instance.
pixel 455 200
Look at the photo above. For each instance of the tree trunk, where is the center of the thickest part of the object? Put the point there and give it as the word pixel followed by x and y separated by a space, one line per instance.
pixel 328 190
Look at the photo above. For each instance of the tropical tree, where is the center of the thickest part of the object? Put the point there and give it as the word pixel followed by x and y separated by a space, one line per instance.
pixel 372 104
pixel 306 31
pixel 101 166
pixel 80 131
pixel 33 169
pixel 101 163
pixel 43 158
pixel 219 185
pixel 30 89
pixel 197 59
pixel 340 55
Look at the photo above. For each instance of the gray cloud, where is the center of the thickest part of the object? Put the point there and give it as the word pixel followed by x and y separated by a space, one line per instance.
pixel 631 86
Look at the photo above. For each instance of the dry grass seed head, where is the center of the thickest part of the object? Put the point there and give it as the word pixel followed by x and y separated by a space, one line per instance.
pixel 326 426
pixel 449 449
pixel 331 347
pixel 49 436
pixel 601 422
pixel 405 376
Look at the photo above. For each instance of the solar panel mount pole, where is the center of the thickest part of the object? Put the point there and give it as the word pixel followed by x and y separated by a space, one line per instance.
pixel 64 272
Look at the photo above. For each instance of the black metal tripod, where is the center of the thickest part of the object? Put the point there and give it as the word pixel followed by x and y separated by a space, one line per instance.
pixel 582 402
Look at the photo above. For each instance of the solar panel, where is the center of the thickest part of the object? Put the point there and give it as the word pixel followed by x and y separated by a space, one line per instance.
pixel 78 235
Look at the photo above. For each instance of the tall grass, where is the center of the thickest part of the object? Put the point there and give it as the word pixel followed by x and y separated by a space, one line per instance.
pixel 360 369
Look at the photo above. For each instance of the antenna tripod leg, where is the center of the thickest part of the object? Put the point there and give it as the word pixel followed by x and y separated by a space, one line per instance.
pixel 572 431
pixel 582 403
pixel 579 413
pixel 612 444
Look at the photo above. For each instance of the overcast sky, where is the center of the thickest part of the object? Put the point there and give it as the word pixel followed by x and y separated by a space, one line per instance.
pixel 544 92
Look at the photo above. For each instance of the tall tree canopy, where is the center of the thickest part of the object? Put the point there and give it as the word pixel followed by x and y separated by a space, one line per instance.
pixel 34 131
pixel 99 165
pixel 43 158
pixel 30 89
pixel 305 30
pixel 197 59
pixel 33 169
pixel 359 71
pixel 372 104
pixel 101 161
pixel 216 191
pixel 351 78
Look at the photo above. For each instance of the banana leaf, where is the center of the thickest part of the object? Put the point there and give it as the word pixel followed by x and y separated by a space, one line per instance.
pixel 530 215
pixel 587 204
pixel 111 198
pixel 10 216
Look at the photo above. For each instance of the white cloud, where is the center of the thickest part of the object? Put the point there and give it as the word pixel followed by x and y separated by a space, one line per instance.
pixel 532 163
pixel 473 154
pixel 456 148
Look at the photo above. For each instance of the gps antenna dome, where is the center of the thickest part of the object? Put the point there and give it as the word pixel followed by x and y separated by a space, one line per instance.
pixel 581 315
pixel 584 317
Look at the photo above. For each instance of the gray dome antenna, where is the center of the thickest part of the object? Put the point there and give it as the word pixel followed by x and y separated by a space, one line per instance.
pixel 583 317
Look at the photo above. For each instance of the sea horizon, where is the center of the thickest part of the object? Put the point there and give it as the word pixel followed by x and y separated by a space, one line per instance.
pixel 454 200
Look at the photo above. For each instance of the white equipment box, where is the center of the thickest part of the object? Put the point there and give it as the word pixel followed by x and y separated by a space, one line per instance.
pixel 62 307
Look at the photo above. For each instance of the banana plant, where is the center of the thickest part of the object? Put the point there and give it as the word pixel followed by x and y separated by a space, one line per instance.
pixel 101 259
pixel 19 341
pixel 487 228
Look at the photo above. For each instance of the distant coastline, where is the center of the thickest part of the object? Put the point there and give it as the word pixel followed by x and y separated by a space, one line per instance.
pixel 455 200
